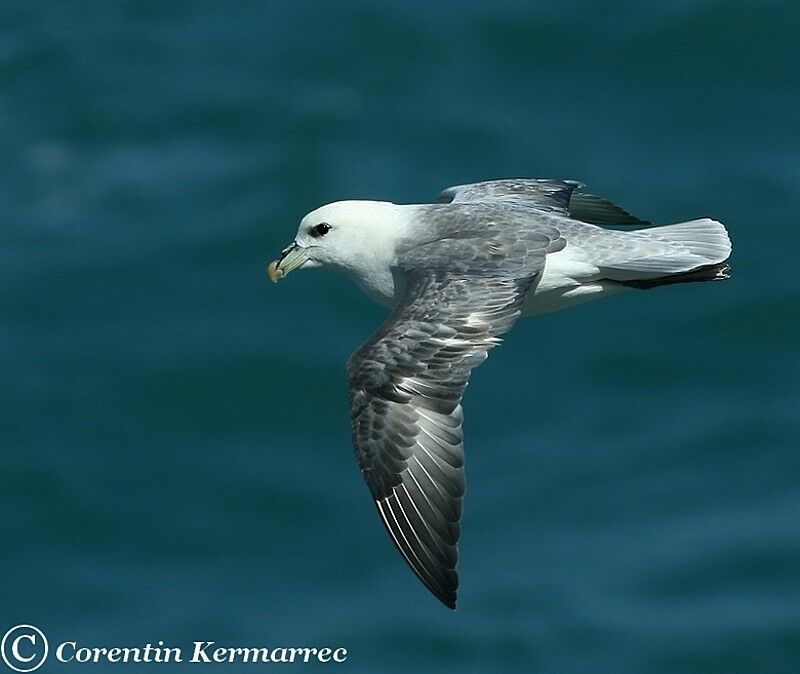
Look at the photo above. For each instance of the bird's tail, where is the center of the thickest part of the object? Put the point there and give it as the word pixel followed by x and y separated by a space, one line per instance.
pixel 686 252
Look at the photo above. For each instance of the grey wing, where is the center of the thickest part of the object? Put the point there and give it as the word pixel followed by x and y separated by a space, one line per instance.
pixel 406 385
pixel 560 196
pixel 549 195
pixel 599 211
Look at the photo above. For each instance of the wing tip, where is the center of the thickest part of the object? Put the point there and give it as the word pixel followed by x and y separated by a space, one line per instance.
pixel 447 596
pixel 598 210
pixel 449 603
pixel 447 591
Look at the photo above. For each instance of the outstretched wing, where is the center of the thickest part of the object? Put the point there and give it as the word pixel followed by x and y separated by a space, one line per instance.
pixel 406 385
pixel 549 195
pixel 561 196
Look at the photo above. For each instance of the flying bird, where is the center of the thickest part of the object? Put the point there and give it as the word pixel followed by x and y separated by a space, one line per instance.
pixel 457 275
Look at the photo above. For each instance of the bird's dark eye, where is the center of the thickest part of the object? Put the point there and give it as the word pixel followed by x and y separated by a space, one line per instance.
pixel 320 230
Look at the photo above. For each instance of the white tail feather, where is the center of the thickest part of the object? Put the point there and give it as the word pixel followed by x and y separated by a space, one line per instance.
pixel 673 249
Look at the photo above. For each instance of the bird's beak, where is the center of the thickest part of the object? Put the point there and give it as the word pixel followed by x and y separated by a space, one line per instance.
pixel 291 258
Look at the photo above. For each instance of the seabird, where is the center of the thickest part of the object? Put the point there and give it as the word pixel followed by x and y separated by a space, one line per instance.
pixel 457 275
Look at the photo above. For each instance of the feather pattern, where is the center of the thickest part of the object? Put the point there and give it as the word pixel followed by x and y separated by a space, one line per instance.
pixel 560 196
pixel 458 276
pixel 407 381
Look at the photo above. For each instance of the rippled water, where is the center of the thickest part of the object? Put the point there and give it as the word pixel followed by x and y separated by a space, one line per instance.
pixel 175 460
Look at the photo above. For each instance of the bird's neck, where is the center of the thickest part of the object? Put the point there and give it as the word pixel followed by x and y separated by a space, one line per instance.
pixel 378 283
pixel 375 270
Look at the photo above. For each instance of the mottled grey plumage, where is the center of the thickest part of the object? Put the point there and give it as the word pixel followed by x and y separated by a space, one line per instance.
pixel 536 204
pixel 406 385
pixel 546 195
pixel 467 274
pixel 552 195
pixel 467 268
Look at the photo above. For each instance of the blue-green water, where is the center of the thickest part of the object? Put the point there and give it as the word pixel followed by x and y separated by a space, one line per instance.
pixel 175 461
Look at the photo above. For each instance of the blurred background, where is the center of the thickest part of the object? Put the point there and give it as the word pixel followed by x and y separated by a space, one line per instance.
pixel 175 458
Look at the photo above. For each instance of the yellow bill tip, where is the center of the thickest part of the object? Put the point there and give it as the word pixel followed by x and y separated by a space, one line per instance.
pixel 273 272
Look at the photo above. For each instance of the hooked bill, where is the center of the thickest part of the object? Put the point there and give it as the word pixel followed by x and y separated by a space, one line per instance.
pixel 273 272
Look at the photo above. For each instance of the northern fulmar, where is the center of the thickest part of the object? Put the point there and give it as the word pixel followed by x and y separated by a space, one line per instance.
pixel 457 275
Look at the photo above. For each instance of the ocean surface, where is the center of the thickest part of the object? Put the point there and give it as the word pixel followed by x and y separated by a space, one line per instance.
pixel 175 457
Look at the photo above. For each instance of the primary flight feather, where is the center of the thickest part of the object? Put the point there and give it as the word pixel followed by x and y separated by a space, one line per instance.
pixel 457 276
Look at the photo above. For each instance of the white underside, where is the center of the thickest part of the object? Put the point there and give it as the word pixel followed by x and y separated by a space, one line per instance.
pixel 568 279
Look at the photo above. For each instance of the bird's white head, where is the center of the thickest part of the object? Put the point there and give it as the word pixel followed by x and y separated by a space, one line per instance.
pixel 356 237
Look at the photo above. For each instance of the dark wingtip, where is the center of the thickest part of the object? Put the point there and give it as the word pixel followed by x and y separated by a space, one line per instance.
pixel 448 595
pixel 449 603
pixel 599 211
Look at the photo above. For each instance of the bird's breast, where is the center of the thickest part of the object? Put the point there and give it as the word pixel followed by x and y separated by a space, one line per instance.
pixel 380 285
